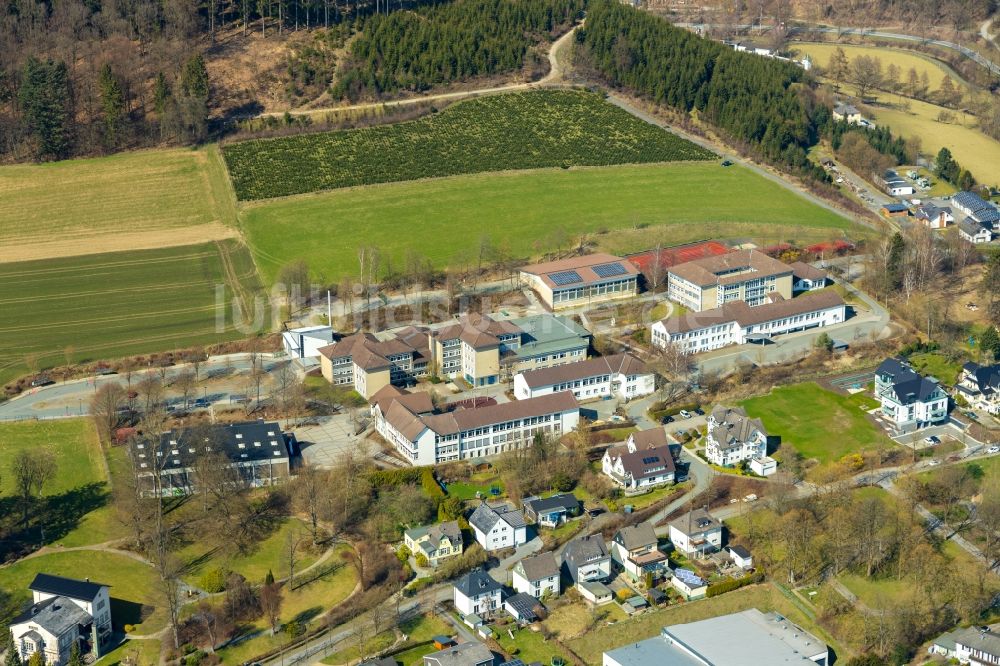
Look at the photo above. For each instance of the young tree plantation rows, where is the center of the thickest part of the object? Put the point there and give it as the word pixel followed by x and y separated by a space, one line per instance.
pixel 512 131
pixel 449 42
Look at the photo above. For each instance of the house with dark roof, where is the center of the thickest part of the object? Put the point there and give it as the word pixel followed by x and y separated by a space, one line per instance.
pixel 498 526
pixel 980 386
pixel 621 376
pixel 806 277
pixel 477 592
pixel 583 280
pixel 847 112
pixel 696 533
pixel 636 550
pixel 909 400
pixel 740 556
pixel 428 436
pixel 934 217
pixel 895 185
pixel 972 204
pixel 537 575
pixel 63 612
pixel 586 559
pixel 736 323
pixel 435 542
pixel 523 607
pixel 259 452
pixel 974 231
pixel 551 511
pixel 733 437
pixel 644 462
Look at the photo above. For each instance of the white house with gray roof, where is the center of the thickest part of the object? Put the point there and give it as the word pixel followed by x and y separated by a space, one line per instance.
pixel 643 462
pixel 622 376
pixel 909 401
pixel 586 559
pixel 537 575
pixel 477 592
pixel 734 437
pixel 747 638
pixel 498 526
pixel 63 612
pixel 696 533
pixel 472 653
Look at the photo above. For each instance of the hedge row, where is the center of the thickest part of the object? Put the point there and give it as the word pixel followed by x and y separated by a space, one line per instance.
pixel 734 584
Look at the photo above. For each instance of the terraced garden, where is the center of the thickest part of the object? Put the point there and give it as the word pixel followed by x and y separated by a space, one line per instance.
pixel 551 128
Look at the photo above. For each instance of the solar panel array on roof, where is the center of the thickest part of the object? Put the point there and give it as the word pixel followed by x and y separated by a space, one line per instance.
pixel 647 461
pixel 609 270
pixel 563 278
pixel 689 577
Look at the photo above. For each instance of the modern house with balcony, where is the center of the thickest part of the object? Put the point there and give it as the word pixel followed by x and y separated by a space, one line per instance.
pixel 909 400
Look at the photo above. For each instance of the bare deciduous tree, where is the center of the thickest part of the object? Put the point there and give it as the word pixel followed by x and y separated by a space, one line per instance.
pixel 105 406
pixel 31 470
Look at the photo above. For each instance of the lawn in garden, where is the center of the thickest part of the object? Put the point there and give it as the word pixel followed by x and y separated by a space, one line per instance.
pixel 525 130
pixel 805 415
pixel 528 213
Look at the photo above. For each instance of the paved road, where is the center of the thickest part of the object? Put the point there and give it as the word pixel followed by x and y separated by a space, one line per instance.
pixel 220 378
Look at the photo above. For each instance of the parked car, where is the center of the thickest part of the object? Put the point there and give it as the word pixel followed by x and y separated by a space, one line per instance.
pixel 726 163
pixel 42 381
pixel 934 461
pixel 685 414
pixel 699 411
pixel 971 415
pixel 993 449
pixel 668 419
pixel 933 439
pixel 201 402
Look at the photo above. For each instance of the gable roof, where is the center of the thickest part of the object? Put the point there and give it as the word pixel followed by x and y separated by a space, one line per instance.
pixel 651 437
pixel 524 605
pixel 55 615
pixel 970 201
pixel 644 461
pixel 744 315
pixel 73 588
pixel 636 536
pixel 485 517
pixel 739 551
pixel 803 271
pixel 698 521
pixel 539 566
pixel 471 653
pixel 625 364
pixel 565 501
pixel 584 550
pixel 733 427
pixel 435 532
pixel 906 384
pixel 986 377
pixel 477 582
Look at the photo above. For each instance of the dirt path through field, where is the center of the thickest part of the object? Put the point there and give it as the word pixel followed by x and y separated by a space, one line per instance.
pixel 116 242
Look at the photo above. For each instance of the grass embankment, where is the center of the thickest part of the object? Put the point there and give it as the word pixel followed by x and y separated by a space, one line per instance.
pixel 144 199
pixel 111 305
pixel 805 415
pixel 531 212
pixel 530 130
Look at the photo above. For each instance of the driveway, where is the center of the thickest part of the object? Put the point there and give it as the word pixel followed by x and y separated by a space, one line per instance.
pixel 330 439
pixel 500 571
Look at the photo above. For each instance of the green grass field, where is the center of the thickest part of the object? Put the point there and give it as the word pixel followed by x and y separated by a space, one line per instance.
pixel 935 364
pixel 133 583
pixel 542 128
pixel 444 219
pixel 72 443
pixel 805 415
pixel 89 201
pixel 902 58
pixel 110 305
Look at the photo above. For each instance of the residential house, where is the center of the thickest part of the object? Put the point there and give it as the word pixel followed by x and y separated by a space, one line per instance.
pixel 746 276
pixel 436 542
pixel 551 511
pixel 472 653
pixel 934 217
pixel 523 607
pixel 696 533
pixel 740 556
pixel 847 112
pixel 498 526
pixel 586 559
pixel 909 401
pixel 63 612
pixel 644 462
pixel 975 232
pixel 584 280
pixel 303 344
pixel 736 323
pixel 688 583
pixel 895 185
pixel 980 386
pixel 367 363
pixel 977 647
pixel 258 451
pixel 477 593
pixel 538 576
pixel 621 376
pixel 733 437
pixel 806 277
pixel 747 638
pixel 636 550
pixel 426 436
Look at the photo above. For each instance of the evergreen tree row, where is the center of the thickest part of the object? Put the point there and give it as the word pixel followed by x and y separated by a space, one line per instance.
pixel 760 102
pixel 449 42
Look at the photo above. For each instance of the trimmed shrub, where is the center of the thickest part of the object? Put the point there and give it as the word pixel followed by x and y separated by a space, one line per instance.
pixel 734 584
pixel 214 580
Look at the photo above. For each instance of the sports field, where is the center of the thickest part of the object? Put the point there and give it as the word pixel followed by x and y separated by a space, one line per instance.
pixel 444 219
pixel 145 199
pixel 904 59
pixel 109 305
